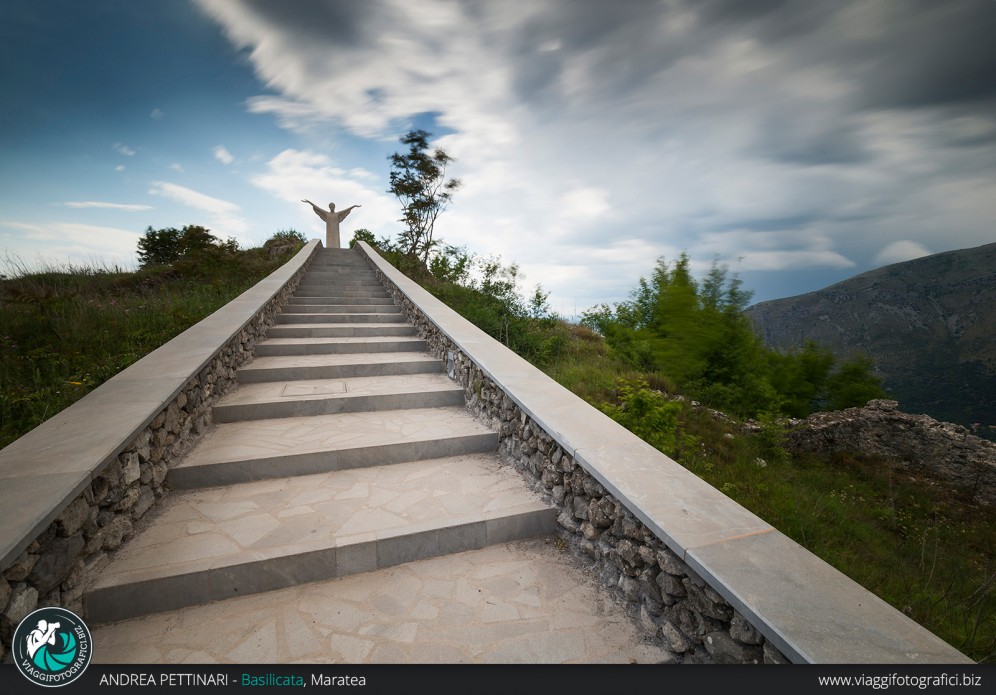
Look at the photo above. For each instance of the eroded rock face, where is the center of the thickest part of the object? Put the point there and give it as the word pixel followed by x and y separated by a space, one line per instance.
pixel 919 441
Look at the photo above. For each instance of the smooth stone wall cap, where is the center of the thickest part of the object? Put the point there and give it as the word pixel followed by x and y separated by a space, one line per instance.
pixel 812 612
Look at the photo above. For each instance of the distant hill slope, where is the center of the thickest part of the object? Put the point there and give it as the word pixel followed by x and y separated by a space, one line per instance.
pixel 929 324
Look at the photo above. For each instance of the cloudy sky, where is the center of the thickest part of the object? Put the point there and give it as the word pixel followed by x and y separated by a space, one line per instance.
pixel 799 141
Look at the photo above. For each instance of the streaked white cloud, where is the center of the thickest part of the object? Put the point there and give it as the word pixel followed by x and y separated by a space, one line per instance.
pixel 119 167
pixel 177 167
pixel 899 251
pixel 224 216
pixel 156 114
pixel 223 155
pixel 124 149
pixel 132 207
pixel 38 244
pixel 605 137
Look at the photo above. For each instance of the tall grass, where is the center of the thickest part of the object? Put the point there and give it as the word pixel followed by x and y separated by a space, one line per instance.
pixel 64 330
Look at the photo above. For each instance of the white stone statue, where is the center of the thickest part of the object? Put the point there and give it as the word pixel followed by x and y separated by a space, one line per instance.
pixel 332 220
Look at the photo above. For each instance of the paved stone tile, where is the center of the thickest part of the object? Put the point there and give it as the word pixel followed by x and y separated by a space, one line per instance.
pixel 237 523
pixel 470 607
pixel 258 439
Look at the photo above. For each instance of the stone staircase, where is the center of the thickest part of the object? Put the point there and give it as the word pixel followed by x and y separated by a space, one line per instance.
pixel 344 450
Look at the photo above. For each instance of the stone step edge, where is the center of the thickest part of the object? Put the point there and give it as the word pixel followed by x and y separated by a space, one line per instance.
pixel 350 555
pixel 250 375
pixel 336 348
pixel 218 473
pixel 438 397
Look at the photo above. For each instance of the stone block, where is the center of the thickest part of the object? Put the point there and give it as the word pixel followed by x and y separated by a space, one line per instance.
pixel 5 591
pixel 593 488
pixel 21 567
pixel 551 478
pixel 23 600
pixel 580 507
pixel 773 656
pixel 647 621
pixel 130 469
pixel 56 563
pixel 128 500
pixel 695 624
pixel 671 563
pixel 115 531
pixel 73 516
pixel 590 549
pixel 597 516
pixel 726 650
pixel 567 521
pixel 629 553
pixel 674 638
pixel 142 444
pixel 145 500
pixel 671 585
pixel 743 631
pixel 700 601
pixel 559 491
pixel 630 587
pixel 589 531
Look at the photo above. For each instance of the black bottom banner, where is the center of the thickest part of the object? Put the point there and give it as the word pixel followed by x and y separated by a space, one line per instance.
pixel 516 680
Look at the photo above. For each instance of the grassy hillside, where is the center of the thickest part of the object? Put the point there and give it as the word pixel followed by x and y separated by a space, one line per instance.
pixel 64 331
pixel 920 546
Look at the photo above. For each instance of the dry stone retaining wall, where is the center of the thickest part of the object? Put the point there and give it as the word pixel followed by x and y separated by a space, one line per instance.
pixel 58 565
pixel 670 602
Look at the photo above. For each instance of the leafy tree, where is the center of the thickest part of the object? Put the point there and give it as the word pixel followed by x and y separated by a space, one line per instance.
pixel 698 335
pixel 418 179
pixel 159 247
pixel 166 246
pixel 853 385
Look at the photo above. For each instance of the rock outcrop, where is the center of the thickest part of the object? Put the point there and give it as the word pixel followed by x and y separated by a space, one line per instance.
pixel 943 449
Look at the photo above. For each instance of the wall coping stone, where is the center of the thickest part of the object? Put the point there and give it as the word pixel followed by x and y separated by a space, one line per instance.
pixel 810 611
pixel 47 468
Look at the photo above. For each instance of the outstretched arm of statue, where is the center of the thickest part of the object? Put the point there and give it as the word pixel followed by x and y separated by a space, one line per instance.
pixel 342 215
pixel 318 211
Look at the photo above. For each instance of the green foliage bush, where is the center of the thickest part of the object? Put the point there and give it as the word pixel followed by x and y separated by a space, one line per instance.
pixel 647 414
pixel 698 334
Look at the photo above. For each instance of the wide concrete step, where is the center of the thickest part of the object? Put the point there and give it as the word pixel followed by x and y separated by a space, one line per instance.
pixel 338 282
pixel 336 346
pixel 336 276
pixel 365 274
pixel 329 303
pixel 278 399
pixel 224 542
pixel 337 366
pixel 295 300
pixel 309 288
pixel 279 447
pixel 341 330
pixel 386 314
pixel 339 258
pixel 348 308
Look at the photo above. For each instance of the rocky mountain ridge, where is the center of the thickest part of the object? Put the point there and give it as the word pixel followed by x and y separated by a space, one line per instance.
pixel 929 324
